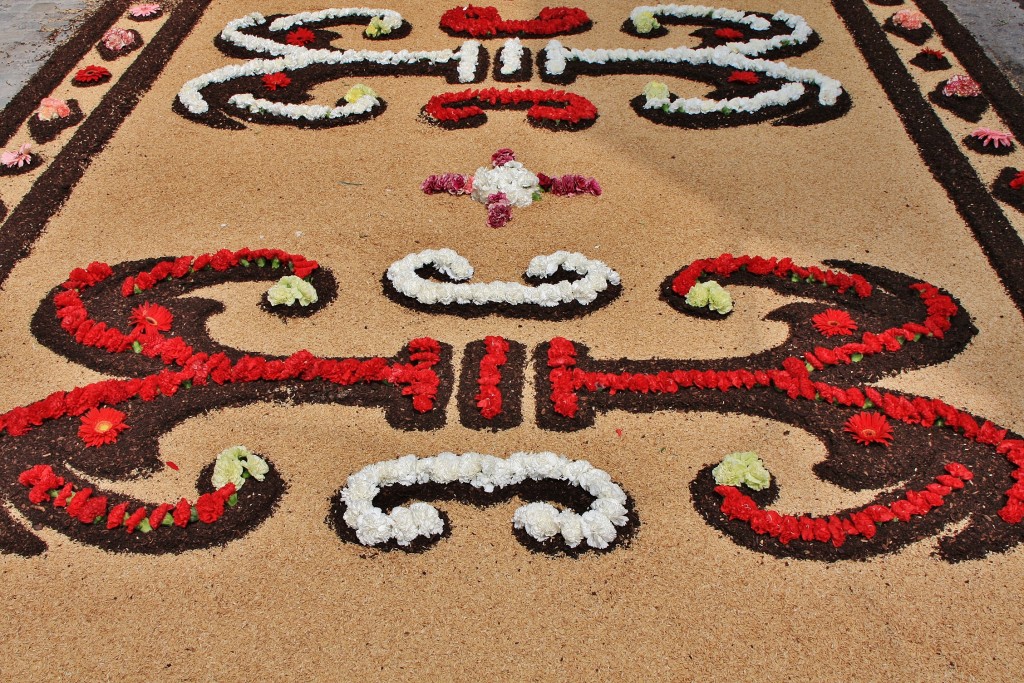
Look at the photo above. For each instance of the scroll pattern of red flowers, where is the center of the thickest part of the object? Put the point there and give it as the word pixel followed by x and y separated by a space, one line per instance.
pixel 300 36
pixel 101 426
pixel 486 22
pixel 833 322
pixel 91 74
pixel 868 428
pixel 549 106
pixel 276 80
pixel 151 318
pixel 488 399
pixel 80 503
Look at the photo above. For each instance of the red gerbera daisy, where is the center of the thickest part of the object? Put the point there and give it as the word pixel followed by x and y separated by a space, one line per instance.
pixel 151 318
pixel 933 52
pixel 101 426
pixel 91 74
pixel 276 80
pixel 869 428
pixel 729 34
pixel 832 321
pixel 748 77
pixel 300 37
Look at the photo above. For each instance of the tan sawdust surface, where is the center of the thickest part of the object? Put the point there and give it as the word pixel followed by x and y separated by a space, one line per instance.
pixel 290 601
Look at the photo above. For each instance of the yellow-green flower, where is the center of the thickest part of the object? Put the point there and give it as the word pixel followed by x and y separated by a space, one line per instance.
pixel 357 91
pixel 698 295
pixel 290 289
pixel 228 467
pixel 377 27
pixel 656 90
pixel 255 466
pixel 719 299
pixel 742 469
pixel 645 23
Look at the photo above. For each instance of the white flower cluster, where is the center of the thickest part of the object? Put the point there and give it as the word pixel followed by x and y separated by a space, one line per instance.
pixel 541 521
pixel 295 58
pixel 735 55
pixel 597 277
pixel 310 112
pixel 517 182
pixel 511 56
pixel 387 17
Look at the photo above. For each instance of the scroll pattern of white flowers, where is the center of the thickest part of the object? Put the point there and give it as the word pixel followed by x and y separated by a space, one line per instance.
pixel 597 277
pixel 295 58
pixel 234 35
pixel 735 55
pixel 801 31
pixel 541 521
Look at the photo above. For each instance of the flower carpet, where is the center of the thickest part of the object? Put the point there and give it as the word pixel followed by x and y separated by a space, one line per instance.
pixel 438 342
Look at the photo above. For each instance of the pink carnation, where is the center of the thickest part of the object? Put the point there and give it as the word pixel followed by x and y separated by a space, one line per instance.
pixel 996 137
pixel 118 39
pixel 499 210
pixel 569 185
pixel 19 158
pixel 908 19
pixel 452 183
pixel 52 108
pixel 961 86
pixel 146 9
pixel 502 157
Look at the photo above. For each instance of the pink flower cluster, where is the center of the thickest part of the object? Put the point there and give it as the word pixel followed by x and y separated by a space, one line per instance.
pixel 569 185
pixel 961 86
pixel 18 158
pixel 502 157
pixel 145 9
pixel 997 137
pixel 908 19
pixel 499 210
pixel 452 183
pixel 118 39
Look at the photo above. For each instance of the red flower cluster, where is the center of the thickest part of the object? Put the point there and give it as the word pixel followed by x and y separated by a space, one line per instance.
pixel 747 77
pixel 276 80
pixel 836 529
pixel 728 34
pixel 727 264
pixel 219 261
pixel 569 185
pixel 486 21
pixel 101 426
pixel 91 74
pixel 299 37
pixel 456 106
pixel 452 183
pixel 869 428
pixel 82 505
pixel 488 399
pixel 834 322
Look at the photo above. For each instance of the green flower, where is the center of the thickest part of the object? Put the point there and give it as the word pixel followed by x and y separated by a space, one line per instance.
pixel 290 289
pixel 357 91
pixel 228 467
pixel 645 23
pixel 698 295
pixel 656 90
pixel 256 466
pixel 742 469
pixel 719 299
pixel 377 27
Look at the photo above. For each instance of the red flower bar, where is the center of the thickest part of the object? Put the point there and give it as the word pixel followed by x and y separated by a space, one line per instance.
pixel 487 22
pixel 456 106
pixel 836 529
pixel 488 400
pixel 88 509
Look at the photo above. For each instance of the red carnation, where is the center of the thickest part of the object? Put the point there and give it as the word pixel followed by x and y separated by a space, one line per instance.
pixel 182 513
pixel 91 74
pixel 116 517
pixel 101 426
pixel 748 77
pixel 210 507
pixel 728 34
pixel 869 428
pixel 156 517
pixel 151 318
pixel 300 37
pixel 135 519
pixel 276 80
pixel 832 322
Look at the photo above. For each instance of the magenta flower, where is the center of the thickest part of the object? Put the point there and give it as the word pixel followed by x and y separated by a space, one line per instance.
pixel 19 158
pixel 997 137
pixel 961 86
pixel 499 210
pixel 452 183
pixel 570 185
pixel 118 39
pixel 502 157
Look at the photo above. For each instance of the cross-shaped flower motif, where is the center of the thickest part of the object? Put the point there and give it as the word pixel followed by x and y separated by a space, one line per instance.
pixel 507 183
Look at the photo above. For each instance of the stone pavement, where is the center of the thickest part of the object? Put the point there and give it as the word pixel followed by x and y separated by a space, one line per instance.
pixel 31 29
